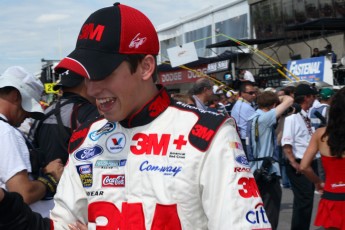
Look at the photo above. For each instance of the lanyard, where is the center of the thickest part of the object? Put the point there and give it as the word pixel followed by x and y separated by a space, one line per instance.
pixel 307 123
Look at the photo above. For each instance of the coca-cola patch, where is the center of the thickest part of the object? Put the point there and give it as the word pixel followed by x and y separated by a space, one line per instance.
pixel 113 180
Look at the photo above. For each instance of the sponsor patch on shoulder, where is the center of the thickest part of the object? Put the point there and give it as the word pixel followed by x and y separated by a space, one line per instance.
pixel 85 174
pixel 242 160
pixel 116 142
pixel 236 145
pixel 108 127
pixel 85 154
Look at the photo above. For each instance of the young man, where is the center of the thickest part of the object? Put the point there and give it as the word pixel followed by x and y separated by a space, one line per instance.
pixel 20 94
pixel 150 163
pixel 296 136
pixel 265 149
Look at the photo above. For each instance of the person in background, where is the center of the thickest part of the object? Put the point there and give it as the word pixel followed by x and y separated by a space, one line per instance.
pixel 185 98
pixel 20 94
pixel 288 90
pixel 316 53
pixel 329 51
pixel 243 109
pixel 296 136
pixel 319 118
pixel 319 113
pixel 150 162
pixel 231 97
pixel 329 141
pixel 202 90
pixel 71 110
pixel 246 75
pixel 265 154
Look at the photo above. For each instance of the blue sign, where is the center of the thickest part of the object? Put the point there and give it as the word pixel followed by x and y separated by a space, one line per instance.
pixel 309 69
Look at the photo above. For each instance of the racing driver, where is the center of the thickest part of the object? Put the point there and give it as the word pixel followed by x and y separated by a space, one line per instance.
pixel 150 162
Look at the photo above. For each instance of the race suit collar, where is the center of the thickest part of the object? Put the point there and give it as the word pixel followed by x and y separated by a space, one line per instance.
pixel 150 111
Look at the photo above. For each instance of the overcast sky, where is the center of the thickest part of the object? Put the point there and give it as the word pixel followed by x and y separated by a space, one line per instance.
pixel 34 29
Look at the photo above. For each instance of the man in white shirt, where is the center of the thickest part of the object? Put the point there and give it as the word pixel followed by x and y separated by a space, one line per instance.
pixel 296 136
pixel 20 93
pixel 247 76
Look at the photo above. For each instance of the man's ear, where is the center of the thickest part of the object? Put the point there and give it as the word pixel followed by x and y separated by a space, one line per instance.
pixel 148 65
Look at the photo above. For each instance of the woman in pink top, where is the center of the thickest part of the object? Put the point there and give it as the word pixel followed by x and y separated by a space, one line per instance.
pixel 330 142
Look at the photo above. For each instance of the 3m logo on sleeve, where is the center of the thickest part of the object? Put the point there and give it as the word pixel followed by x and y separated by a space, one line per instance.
pixel 202 132
pixel 248 187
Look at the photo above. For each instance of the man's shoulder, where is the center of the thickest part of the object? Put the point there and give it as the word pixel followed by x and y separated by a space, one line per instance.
pixel 205 126
pixel 81 133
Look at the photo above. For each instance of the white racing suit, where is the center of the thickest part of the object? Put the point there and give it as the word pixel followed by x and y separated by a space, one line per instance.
pixel 170 166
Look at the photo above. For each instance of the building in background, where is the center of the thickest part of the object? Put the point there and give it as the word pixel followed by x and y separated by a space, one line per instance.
pixel 282 30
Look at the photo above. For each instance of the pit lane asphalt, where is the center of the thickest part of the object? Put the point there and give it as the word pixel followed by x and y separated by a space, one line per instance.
pixel 286 211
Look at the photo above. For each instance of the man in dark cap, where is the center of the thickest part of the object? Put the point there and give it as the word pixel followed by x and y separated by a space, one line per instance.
pixel 296 136
pixel 329 51
pixel 73 108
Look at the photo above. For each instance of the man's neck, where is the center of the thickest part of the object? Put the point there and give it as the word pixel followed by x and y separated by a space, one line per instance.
pixel 201 98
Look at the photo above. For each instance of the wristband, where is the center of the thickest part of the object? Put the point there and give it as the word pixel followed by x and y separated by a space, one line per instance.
pixel 50 183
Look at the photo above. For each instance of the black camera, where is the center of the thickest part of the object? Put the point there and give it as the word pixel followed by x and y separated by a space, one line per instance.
pixel 262 174
pixel 293 109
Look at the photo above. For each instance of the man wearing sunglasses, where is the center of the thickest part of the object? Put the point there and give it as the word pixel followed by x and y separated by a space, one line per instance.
pixel 242 109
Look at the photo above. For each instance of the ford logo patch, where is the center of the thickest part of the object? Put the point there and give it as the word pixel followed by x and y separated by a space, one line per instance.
pixel 241 159
pixel 88 153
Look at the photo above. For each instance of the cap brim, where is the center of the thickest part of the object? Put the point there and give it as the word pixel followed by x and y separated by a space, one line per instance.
pixel 57 87
pixel 32 106
pixel 90 64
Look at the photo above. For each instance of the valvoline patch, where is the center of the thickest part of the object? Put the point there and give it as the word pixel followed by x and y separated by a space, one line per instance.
pixel 85 154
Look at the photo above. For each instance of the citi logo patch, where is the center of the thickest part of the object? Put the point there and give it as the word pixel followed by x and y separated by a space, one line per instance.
pixel 116 142
pixel 88 153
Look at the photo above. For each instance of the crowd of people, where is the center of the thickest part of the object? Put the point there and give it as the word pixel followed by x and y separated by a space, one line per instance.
pixel 276 126
pixel 116 151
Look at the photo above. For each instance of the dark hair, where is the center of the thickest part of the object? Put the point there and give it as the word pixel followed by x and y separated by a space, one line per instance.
pixel 134 60
pixel 289 90
pixel 244 85
pixel 184 98
pixel 200 85
pixel 267 99
pixel 6 90
pixel 299 99
pixel 335 128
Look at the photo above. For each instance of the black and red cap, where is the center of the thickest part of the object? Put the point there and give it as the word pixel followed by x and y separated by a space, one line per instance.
pixel 107 36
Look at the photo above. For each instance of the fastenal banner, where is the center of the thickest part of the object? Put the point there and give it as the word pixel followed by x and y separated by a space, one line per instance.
pixel 317 69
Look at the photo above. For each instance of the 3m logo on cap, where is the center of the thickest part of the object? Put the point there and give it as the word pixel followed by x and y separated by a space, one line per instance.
pixel 89 32
pixel 137 41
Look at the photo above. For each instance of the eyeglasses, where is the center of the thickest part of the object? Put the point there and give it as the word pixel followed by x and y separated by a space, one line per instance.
pixel 250 92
